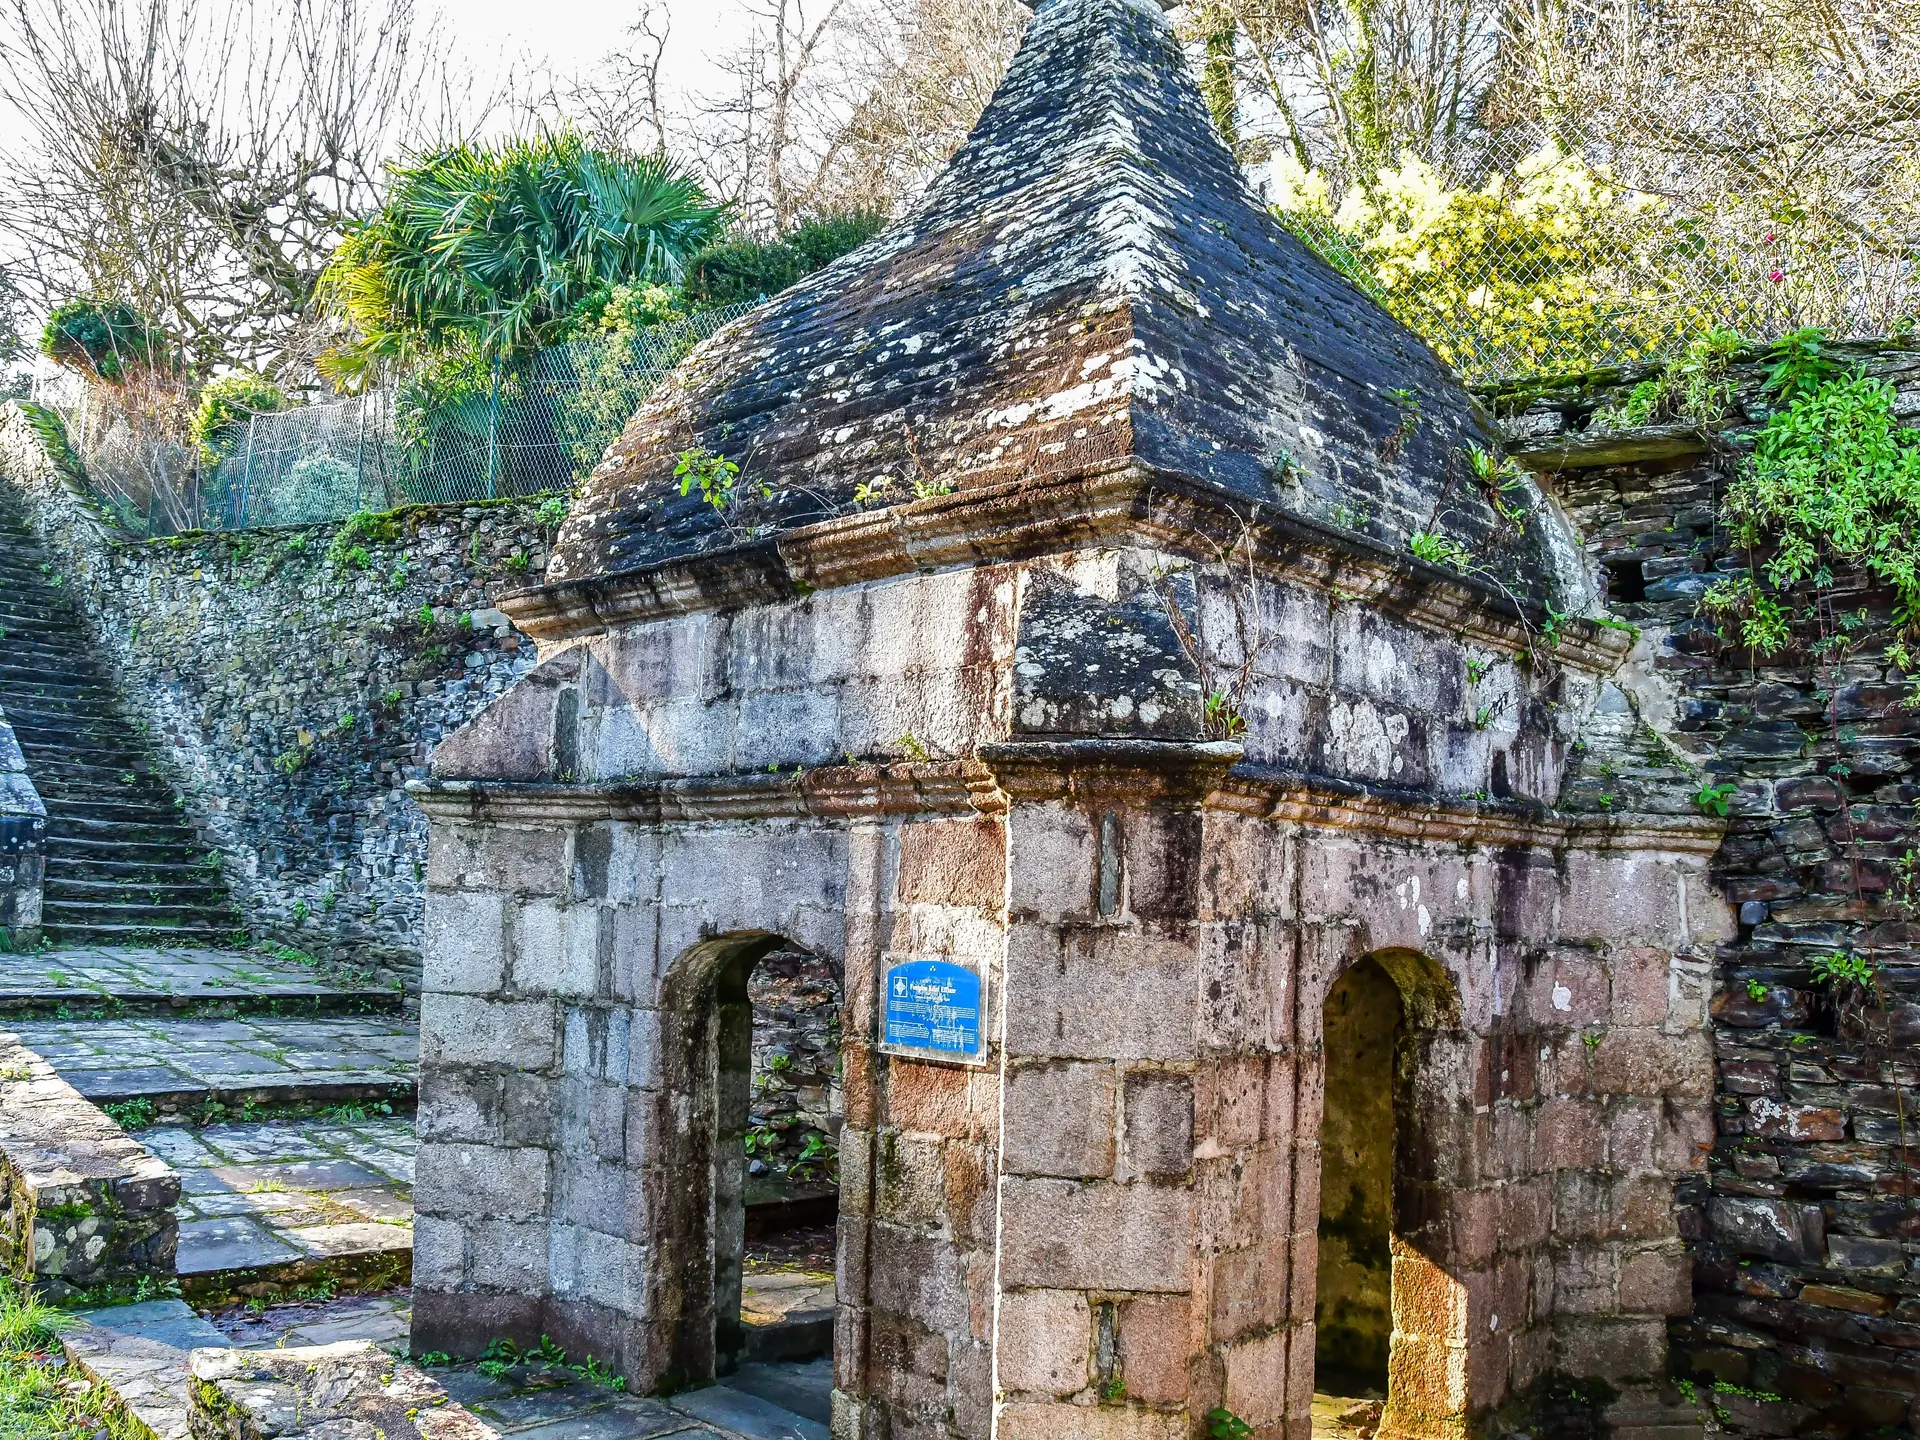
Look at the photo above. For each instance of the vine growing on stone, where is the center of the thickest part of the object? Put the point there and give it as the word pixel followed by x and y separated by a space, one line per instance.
pixel 1226 676
pixel 1831 491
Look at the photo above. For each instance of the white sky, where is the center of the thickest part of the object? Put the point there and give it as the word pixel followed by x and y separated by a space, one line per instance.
pixel 573 34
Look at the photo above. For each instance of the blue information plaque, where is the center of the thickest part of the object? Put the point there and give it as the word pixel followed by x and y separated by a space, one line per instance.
pixel 933 1009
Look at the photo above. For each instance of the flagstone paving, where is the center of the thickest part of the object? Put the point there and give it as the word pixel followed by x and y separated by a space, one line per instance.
pixel 142 1352
pixel 178 1065
pixel 289 1196
pixel 123 978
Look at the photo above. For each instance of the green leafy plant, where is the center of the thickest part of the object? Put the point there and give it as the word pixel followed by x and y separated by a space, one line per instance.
pixel 1223 718
pixel 740 271
pixel 915 751
pixel 109 340
pixel 1757 990
pixel 489 250
pixel 715 475
pixel 1834 481
pixel 1223 1424
pixel 362 525
pixel 1408 404
pixel 1713 799
pixel 1841 968
pixel 552 512
pixel 134 1114
pixel 1800 365
pixel 1757 620
pixel 1439 550
pixel 1694 387
pixel 1499 478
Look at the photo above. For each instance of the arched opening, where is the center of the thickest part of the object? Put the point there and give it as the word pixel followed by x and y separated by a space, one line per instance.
pixel 1363 1034
pixel 763 1036
pixel 1379 1023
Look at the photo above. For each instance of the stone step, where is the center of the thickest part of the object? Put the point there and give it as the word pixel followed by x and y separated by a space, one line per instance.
pixel 739 1412
pixel 132 982
pixel 272 1205
pixel 79 851
pixel 82 934
pixel 179 1066
pixel 87 827
pixel 60 914
pixel 194 892
pixel 38 684
pixel 78 811
pixel 140 1353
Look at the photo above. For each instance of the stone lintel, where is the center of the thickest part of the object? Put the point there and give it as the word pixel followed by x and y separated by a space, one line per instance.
pixel 1591 449
pixel 1140 772
pixel 1105 503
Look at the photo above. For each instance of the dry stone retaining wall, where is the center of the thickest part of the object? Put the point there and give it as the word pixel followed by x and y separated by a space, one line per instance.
pixel 291 693
pixel 1805 1227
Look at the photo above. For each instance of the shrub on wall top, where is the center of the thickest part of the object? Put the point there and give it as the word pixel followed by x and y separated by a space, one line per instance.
pixel 231 401
pixel 747 270
pixel 109 340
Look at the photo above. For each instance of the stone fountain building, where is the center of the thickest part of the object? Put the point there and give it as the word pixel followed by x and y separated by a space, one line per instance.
pixel 1225 995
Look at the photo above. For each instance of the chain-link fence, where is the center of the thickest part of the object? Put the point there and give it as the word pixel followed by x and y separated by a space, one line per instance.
pixel 437 439
pixel 1617 187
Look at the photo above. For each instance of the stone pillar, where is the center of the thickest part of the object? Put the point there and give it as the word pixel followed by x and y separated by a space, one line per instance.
pixel 1136 1159
pixel 23 839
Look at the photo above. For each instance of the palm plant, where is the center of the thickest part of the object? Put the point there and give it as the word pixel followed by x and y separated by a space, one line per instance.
pixel 486 251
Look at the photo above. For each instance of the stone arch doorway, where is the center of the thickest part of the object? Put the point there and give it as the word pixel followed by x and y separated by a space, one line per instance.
pixel 751 1039
pixel 1384 1354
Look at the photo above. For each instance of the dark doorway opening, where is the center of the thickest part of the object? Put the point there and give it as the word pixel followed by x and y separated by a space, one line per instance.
pixel 1364 1032
pixel 776 1191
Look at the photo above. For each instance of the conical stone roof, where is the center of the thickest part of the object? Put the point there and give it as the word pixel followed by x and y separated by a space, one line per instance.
pixel 1089 284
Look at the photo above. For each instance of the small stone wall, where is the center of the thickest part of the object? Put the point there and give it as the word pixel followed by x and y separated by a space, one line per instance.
pixel 795 1106
pixel 83 1207
pixel 329 1392
pixel 23 833
pixel 292 687
pixel 1805 1230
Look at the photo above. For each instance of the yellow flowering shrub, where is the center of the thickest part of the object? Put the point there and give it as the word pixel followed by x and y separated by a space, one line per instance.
pixel 1545 268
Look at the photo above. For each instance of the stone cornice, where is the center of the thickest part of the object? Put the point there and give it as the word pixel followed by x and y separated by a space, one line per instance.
pixel 838 792
pixel 1319 803
pixel 1024 519
pixel 1075 771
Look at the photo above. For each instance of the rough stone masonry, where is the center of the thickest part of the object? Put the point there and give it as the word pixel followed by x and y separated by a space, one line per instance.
pixel 1059 656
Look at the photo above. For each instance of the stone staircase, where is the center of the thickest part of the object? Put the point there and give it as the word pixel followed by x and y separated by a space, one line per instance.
pixel 123 864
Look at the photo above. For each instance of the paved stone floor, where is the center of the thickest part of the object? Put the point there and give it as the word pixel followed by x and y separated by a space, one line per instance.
pixel 1342 1417
pixel 90 974
pixel 275 1193
pixel 142 1351
pixel 177 1064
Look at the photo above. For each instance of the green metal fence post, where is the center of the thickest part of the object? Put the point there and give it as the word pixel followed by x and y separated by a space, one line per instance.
pixel 493 435
pixel 246 476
